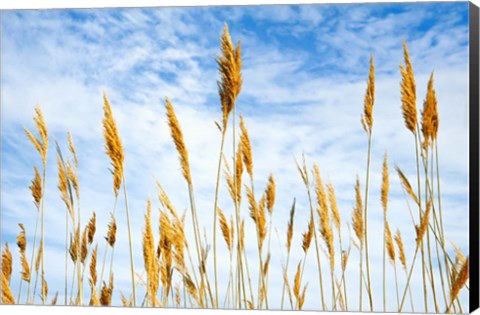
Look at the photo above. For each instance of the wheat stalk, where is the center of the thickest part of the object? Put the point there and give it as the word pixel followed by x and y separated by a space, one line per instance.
pixel 367 117
pixel 41 145
pixel 408 90
pixel 230 65
pixel 384 200
pixel 7 296
pixel 358 228
pixel 22 246
pixel 304 174
pixel 367 122
pixel 406 184
pixel 7 263
pixel 459 281
pixel 325 225
pixel 289 246
pixel 429 115
pixel 151 264
pixel 113 144
pixel 177 136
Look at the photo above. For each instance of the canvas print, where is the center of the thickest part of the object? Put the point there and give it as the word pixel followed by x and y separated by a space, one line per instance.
pixel 302 157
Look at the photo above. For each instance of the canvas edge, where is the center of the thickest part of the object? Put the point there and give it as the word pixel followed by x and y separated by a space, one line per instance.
pixel 474 158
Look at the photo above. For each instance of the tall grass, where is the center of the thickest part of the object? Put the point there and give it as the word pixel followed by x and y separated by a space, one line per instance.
pixel 176 270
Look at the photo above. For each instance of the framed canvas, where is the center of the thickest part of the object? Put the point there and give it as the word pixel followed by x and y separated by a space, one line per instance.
pixel 318 157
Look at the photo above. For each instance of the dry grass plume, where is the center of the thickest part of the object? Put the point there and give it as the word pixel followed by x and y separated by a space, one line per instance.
pixel 7 263
pixel 113 144
pixel 36 188
pixel 429 115
pixel 177 137
pixel 357 215
pixel 409 94
pixel 41 143
pixel 401 250
pixel 230 67
pixel 406 185
pixel 367 117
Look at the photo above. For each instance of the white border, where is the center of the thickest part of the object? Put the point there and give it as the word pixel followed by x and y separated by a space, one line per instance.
pixel 54 4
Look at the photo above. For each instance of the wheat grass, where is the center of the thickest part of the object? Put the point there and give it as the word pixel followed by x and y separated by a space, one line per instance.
pixel 409 94
pixel 113 144
pixel 7 296
pixel 429 115
pixel 367 117
pixel 7 262
pixel 406 184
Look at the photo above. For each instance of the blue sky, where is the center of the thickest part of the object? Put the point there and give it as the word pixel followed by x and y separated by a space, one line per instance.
pixel 304 69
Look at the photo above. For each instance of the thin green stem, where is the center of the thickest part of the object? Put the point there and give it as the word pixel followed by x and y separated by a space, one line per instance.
pixel 384 263
pixel 106 249
pixel 33 252
pixel 367 260
pixel 215 205
pixel 132 267
pixel 409 278
pixel 317 250
pixel 425 293
pixel 42 239
pixel 66 256
pixel 345 298
pixel 284 280
pixel 396 283
pixel 361 275
pixel 240 275
pixel 432 280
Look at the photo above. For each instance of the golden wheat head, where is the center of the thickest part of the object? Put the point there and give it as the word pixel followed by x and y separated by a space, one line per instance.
pixel 63 186
pixel 422 229
pixel 429 115
pixel 39 256
pixel 225 229
pixel 7 262
pixel 385 185
pixel 84 245
pixel 36 188
pixel 41 144
pixel 177 137
pixel 72 149
pixel 237 183
pixel 112 232
pixel 93 266
pixel 7 296
pixel 113 144
pixel 44 289
pixel 290 227
pixel 409 94
pixel 73 178
pixel 334 207
pixel 401 250
pixel 325 225
pixel 406 184
pixel 389 243
pixel 460 280
pixel 92 227
pixel 246 148
pixel 151 263
pixel 367 118
pixel 230 67
pixel 357 215
pixel 270 192
pixel 308 235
